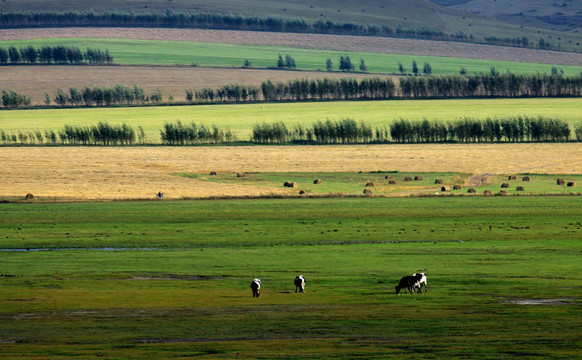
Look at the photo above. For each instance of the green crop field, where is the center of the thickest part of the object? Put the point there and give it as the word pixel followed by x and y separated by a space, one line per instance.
pixel 334 184
pixel 142 52
pixel 240 118
pixel 153 280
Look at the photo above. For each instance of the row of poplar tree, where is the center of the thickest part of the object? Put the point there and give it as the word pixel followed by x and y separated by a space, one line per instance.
pixel 194 19
pixel 407 87
pixel 103 134
pixel 118 95
pixel 105 96
pixel 349 131
pixel 347 88
pixel 343 131
pixel 58 54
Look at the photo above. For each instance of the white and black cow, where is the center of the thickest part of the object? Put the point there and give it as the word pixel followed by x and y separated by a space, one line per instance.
pixel 299 283
pixel 406 283
pixel 256 287
pixel 421 281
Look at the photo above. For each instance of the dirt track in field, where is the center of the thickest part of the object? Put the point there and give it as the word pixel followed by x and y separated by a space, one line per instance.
pixel 36 80
pixel 311 41
pixel 140 172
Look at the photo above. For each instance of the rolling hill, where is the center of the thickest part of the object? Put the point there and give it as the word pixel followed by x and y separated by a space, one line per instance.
pixel 565 15
pixel 458 18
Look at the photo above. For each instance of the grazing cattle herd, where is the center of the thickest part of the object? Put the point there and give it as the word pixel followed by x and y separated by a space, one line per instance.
pixel 408 283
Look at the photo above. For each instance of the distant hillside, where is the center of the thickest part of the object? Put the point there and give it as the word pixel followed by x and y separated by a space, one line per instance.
pixel 408 14
pixel 562 15
pixel 453 20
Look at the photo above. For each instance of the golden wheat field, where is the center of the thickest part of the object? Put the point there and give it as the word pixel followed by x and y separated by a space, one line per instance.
pixel 108 173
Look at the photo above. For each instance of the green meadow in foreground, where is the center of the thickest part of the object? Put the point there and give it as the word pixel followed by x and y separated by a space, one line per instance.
pixel 151 280
pixel 241 118
pixel 151 52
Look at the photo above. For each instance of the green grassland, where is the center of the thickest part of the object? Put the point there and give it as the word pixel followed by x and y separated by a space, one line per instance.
pixel 240 118
pixel 414 14
pixel 150 52
pixel 177 282
pixel 352 184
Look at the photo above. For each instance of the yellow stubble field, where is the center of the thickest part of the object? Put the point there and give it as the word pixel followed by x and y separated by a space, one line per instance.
pixel 109 173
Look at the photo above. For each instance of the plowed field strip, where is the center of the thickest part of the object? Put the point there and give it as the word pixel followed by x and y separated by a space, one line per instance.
pixel 36 80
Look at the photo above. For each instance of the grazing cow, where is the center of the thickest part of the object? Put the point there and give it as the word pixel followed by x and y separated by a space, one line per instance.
pixel 406 283
pixel 299 283
pixel 421 280
pixel 256 287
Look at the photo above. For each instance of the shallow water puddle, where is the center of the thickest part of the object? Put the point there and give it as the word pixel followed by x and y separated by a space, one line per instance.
pixel 78 249
pixel 540 302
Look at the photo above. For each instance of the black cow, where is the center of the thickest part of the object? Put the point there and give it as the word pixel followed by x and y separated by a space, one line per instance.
pixel 407 283
pixel 299 283
pixel 256 287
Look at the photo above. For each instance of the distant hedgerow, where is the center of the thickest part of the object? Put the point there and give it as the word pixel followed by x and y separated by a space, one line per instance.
pixel 344 131
pixel 59 54
pixel 201 20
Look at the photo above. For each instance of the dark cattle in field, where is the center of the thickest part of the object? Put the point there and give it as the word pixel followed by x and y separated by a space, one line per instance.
pixel 256 287
pixel 299 283
pixel 406 283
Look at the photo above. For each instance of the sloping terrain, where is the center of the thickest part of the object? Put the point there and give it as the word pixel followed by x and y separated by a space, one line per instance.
pixel 396 14
pixel 412 13
pixel 564 15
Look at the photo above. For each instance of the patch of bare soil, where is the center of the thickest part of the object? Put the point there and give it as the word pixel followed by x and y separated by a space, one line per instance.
pixel 310 41
pixel 478 180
